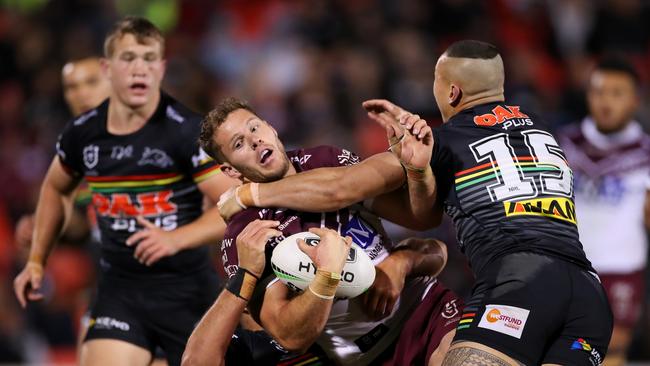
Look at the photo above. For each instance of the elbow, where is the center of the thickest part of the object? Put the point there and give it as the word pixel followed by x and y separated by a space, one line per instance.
pixel 337 194
pixel 295 344
pixel 192 356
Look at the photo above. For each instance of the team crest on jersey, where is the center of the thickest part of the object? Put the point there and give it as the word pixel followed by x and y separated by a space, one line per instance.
pixel 155 157
pixel 91 156
pixel 450 310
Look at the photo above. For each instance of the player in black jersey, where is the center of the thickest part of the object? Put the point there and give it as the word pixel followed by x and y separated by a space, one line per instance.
pixel 504 181
pixel 139 155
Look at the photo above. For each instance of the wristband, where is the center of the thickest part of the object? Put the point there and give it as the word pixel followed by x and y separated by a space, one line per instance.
pixel 248 195
pixel 324 284
pixel 36 259
pixel 416 174
pixel 242 283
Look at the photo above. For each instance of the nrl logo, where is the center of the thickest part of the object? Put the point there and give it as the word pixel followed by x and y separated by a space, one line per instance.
pixel 91 156
pixel 155 157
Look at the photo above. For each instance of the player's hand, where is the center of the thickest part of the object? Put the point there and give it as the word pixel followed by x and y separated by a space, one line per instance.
pixel 251 243
pixel 388 116
pixel 28 283
pixel 409 136
pixel 417 144
pixel 332 251
pixel 379 300
pixel 229 204
pixel 24 230
pixel 152 243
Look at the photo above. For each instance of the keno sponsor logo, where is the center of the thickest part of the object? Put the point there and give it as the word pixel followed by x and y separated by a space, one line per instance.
pixel 105 322
pixel 504 319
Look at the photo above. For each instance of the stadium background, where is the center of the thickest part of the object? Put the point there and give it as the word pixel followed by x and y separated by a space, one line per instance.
pixel 305 66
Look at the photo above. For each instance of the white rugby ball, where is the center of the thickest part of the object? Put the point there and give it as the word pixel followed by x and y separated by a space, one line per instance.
pixel 293 267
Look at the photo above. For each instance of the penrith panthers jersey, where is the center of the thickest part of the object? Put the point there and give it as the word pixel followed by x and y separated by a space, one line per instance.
pixel 505 182
pixel 152 172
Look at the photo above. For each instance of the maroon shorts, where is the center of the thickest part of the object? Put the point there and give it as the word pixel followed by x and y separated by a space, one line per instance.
pixel 437 315
pixel 625 293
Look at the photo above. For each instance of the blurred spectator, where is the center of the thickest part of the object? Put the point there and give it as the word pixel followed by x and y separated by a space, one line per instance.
pixel 610 156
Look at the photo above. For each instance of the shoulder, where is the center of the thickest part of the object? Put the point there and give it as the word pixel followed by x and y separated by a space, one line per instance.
pixel 322 156
pixel 177 114
pixel 241 219
pixel 85 124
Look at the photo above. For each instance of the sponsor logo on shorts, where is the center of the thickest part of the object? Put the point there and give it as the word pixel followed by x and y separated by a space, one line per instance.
pixel 555 207
pixel 506 117
pixel 504 319
pixel 594 356
pixel 106 322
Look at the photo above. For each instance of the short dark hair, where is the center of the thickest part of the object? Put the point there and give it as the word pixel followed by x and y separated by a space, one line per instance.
pixel 216 118
pixel 470 48
pixel 618 64
pixel 141 28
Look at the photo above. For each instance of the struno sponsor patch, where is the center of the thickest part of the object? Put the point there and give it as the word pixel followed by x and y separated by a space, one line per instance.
pixel 509 320
pixel 555 207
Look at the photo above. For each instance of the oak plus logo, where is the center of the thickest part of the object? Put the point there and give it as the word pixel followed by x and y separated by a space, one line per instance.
pixel 506 117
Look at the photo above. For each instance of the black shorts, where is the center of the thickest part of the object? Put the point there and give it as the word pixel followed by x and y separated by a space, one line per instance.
pixel 152 314
pixel 538 309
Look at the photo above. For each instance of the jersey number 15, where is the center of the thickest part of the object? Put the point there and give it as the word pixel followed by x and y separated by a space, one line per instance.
pixel 546 157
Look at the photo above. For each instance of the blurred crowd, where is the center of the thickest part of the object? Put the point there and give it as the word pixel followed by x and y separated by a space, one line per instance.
pixel 305 66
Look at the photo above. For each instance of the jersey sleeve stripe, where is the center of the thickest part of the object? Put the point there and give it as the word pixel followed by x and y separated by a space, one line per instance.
pixel 136 183
pixel 482 166
pixel 122 178
pixel 206 173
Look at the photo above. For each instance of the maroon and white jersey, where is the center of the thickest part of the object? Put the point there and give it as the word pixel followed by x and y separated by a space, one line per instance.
pixel 350 337
pixel 611 178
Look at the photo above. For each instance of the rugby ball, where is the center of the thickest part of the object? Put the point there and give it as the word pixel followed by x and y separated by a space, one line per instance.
pixel 294 268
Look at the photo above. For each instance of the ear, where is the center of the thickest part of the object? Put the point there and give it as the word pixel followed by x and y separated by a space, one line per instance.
pixel 163 66
pixel 455 95
pixel 104 64
pixel 230 171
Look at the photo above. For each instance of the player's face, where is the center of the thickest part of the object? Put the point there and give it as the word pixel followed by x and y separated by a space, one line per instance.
pixel 136 70
pixel 441 89
pixel 84 85
pixel 252 147
pixel 612 99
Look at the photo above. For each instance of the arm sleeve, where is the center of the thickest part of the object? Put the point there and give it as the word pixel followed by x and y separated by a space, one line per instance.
pixel 325 157
pixel 68 152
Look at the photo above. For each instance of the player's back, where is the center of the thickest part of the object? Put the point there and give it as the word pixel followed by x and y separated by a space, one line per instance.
pixel 505 182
